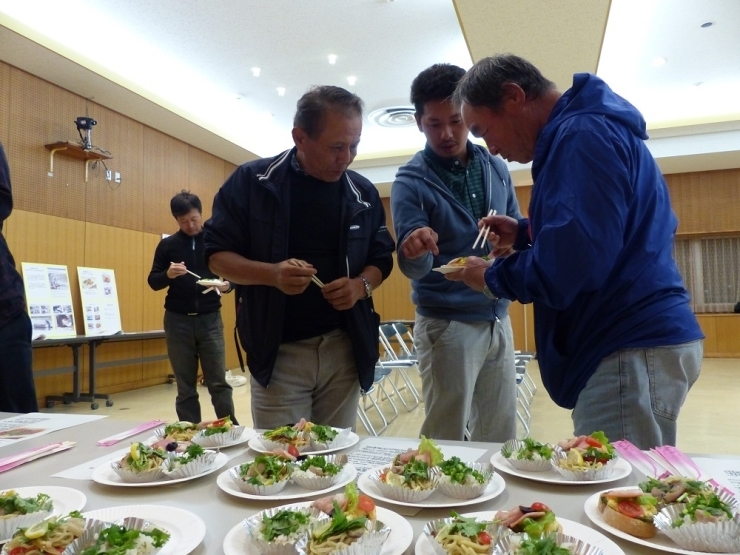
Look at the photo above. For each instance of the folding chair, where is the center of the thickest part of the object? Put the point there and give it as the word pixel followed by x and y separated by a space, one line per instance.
pixel 392 360
pixel 368 402
pixel 403 334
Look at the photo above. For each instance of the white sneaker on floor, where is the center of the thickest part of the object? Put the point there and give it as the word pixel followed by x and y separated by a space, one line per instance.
pixel 235 381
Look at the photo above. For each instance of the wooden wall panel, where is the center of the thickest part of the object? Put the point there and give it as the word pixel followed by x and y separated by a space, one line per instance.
pixel 523 195
pixel 205 177
pixel 706 202
pixel 166 174
pixel 110 203
pixel 41 113
pixel 152 301
pixel 4 103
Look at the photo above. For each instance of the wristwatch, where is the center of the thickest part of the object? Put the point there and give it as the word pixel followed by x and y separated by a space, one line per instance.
pixel 368 287
pixel 487 293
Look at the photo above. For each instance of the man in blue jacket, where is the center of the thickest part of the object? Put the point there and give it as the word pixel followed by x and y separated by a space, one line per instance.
pixel 617 341
pixel 463 339
pixel 278 224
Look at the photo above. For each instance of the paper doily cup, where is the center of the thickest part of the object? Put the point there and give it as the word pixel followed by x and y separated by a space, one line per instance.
pixel 370 543
pixel 270 445
pixel 342 438
pixel 588 474
pixel 255 489
pixel 713 537
pixel 92 532
pixel 513 446
pixel 464 491
pixel 431 529
pixel 10 524
pixel 196 467
pixel 401 493
pixel 279 546
pixel 309 480
pixel 510 543
pixel 218 440
pixel 131 476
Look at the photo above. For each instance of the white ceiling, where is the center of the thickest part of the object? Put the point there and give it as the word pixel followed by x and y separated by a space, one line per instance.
pixel 185 66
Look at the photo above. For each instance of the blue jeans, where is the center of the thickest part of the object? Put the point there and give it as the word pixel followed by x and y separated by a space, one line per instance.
pixel 468 378
pixel 636 394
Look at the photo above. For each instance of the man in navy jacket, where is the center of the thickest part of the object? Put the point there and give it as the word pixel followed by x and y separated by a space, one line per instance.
pixel 463 339
pixel 616 339
pixel 305 239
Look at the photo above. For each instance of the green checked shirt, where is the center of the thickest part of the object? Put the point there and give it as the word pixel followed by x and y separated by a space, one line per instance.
pixel 465 183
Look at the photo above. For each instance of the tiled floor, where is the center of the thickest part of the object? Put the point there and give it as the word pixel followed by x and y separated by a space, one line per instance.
pixel 708 422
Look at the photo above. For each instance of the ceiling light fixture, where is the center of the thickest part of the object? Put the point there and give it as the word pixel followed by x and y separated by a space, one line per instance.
pixel 707 24
pixel 657 62
pixel 281 91
pixel 332 59
pixel 256 71
pixel 351 80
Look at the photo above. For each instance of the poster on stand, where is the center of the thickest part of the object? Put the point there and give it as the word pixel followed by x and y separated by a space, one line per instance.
pixel 99 296
pixel 49 300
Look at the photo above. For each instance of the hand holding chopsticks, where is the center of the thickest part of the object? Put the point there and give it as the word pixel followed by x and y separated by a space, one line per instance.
pixel 188 271
pixel 484 232
pixel 300 264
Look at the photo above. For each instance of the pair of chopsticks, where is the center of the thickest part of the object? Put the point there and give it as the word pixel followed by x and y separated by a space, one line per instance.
pixel 188 271
pixel 484 231
pixel 316 280
pixel 7 463
pixel 112 440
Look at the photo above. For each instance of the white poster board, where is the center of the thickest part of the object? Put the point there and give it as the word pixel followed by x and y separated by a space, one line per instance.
pixel 49 300
pixel 99 296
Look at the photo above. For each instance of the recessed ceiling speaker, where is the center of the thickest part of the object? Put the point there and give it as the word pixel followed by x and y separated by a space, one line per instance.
pixel 393 116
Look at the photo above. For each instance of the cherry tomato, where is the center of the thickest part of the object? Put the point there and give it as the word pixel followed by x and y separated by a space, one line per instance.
pixel 484 538
pixel 365 504
pixel 539 507
pixel 217 423
pixel 293 450
pixel 629 508
pixel 593 442
pixel 20 550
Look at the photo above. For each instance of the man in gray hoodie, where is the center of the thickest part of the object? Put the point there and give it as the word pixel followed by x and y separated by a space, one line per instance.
pixel 463 338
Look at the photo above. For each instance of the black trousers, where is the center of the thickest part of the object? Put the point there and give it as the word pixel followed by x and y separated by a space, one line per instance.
pixel 191 339
pixel 17 390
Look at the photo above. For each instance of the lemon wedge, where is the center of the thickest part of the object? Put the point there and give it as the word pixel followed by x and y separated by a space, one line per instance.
pixel 135 453
pixel 574 458
pixel 36 530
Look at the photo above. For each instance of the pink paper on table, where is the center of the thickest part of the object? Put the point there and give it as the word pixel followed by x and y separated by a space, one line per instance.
pixel 112 440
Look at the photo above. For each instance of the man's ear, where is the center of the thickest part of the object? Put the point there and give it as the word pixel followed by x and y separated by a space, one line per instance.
pixel 299 137
pixel 514 97
pixel 417 117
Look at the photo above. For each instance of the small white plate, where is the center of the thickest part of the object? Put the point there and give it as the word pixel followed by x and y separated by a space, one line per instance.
pixel 105 475
pixel 237 542
pixel 570 527
pixel 447 269
pixel 65 500
pixel 210 282
pixel 622 469
pixel 659 541
pixel 291 491
pixel 436 500
pixel 255 444
pixel 186 529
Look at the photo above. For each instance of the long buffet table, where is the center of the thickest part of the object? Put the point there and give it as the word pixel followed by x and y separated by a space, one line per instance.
pixel 221 512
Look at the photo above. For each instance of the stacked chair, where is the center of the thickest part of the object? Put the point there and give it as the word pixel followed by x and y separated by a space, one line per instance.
pixel 526 389
pixel 391 380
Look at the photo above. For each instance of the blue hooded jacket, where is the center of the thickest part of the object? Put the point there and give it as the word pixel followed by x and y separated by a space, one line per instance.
pixel 600 270
pixel 419 198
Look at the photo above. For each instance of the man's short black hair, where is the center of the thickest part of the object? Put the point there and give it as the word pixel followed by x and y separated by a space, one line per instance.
pixel 482 85
pixel 320 99
pixel 437 82
pixel 183 202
